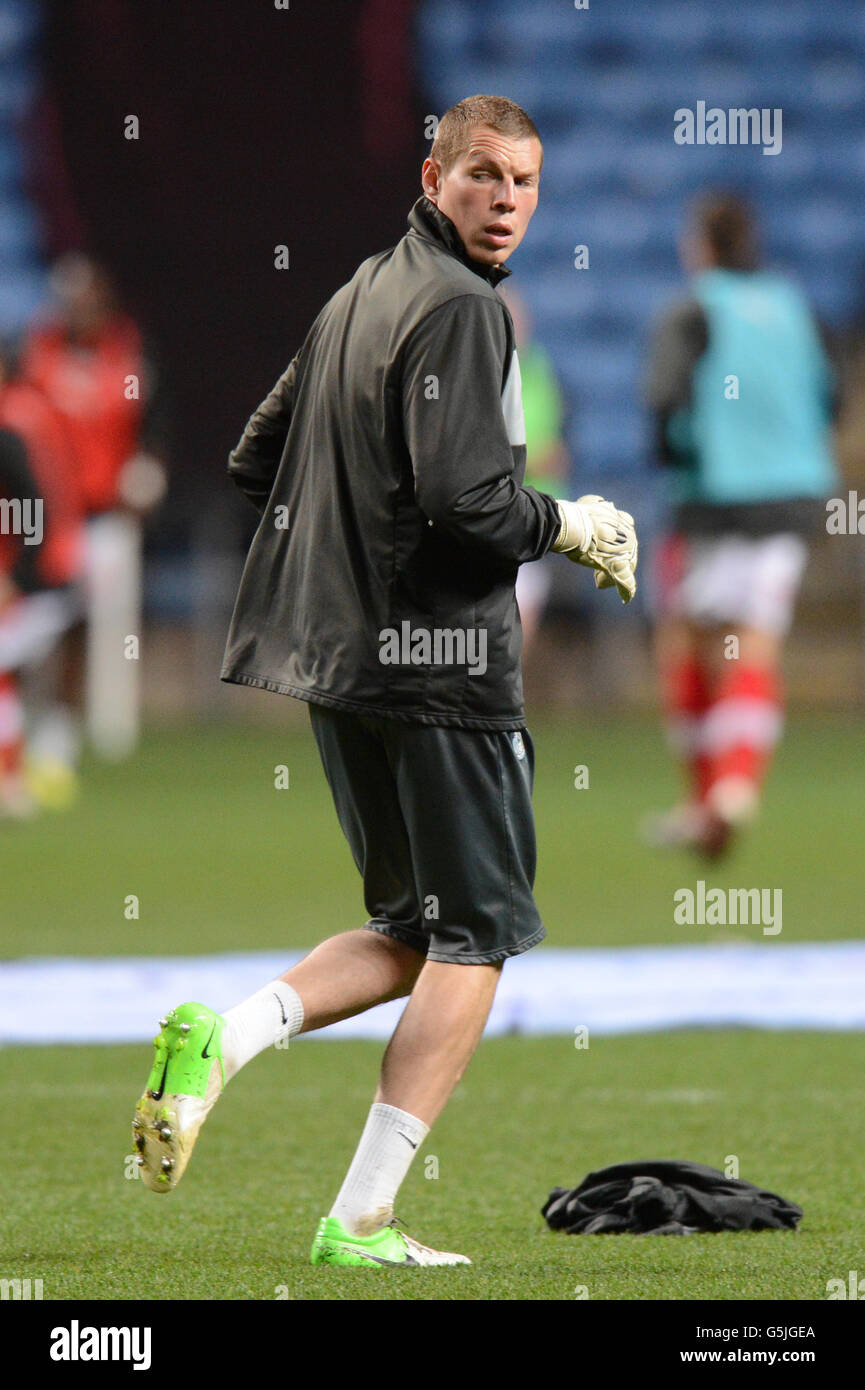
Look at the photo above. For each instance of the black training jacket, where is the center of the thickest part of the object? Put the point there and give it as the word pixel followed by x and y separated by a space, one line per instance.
pixel 388 463
pixel 666 1197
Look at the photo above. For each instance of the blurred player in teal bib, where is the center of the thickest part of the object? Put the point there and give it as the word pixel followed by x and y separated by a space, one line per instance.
pixel 742 395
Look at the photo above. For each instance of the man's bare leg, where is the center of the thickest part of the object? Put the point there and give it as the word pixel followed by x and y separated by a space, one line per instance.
pixel 350 973
pixel 439 1030
pixel 428 1053
pixel 443 1022
pixel 198 1051
pixel 425 1059
pixel 436 1037
pixel 343 976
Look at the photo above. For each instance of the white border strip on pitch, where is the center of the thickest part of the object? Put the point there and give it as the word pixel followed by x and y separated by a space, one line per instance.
pixel 762 985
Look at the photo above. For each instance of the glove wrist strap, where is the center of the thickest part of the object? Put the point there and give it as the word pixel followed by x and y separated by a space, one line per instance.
pixel 574 532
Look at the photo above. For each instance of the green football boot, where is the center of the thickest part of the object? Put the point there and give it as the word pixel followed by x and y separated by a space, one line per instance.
pixel 334 1245
pixel 187 1079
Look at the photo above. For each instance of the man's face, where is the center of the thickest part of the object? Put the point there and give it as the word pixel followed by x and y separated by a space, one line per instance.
pixel 489 194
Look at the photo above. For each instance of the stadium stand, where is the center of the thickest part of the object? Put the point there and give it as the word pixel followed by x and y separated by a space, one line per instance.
pixel 603 88
pixel 22 281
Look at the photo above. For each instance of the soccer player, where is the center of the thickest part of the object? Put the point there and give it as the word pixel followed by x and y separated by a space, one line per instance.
pixel 45 620
pixel 387 465
pixel 742 395
pixel 90 362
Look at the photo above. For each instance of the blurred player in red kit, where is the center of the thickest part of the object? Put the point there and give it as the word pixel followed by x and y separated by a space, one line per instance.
pixel 40 599
pixel 89 361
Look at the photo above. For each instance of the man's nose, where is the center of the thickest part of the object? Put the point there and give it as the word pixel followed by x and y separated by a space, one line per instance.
pixel 506 194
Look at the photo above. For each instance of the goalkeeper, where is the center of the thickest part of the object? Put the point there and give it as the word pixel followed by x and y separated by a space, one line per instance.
pixel 387 464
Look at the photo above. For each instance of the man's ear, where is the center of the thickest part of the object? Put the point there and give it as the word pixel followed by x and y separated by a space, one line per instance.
pixel 431 178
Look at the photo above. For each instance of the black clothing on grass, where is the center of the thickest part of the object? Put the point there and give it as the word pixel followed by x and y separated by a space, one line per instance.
pixel 665 1197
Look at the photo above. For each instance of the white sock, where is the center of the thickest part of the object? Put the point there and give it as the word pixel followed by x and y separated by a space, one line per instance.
pixel 274 1013
pixel 384 1154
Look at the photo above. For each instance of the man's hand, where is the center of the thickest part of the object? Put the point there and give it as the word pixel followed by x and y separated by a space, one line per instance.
pixel 597 534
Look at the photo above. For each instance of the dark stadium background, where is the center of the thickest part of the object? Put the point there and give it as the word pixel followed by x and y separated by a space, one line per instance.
pixel 257 129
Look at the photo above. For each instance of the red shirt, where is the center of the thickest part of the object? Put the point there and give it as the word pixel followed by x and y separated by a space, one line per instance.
pixel 52 461
pixel 87 384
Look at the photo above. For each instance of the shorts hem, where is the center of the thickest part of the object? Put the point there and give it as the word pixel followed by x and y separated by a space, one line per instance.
pixel 403 934
pixel 462 958
pixel 490 957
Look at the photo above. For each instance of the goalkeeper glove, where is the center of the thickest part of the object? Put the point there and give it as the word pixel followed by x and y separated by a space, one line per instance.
pixel 597 534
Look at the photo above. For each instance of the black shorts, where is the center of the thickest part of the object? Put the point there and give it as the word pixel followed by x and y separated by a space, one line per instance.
pixel 440 824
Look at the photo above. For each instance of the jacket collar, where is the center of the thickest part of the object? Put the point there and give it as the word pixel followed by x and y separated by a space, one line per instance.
pixel 427 221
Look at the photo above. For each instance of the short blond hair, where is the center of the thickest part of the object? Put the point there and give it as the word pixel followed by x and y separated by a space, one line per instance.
pixel 455 128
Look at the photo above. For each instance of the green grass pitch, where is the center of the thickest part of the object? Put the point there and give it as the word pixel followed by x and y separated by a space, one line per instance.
pixel 531 1114
pixel 221 860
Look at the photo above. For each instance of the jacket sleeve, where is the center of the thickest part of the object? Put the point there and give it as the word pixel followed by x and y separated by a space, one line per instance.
pixel 253 464
pixel 454 368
